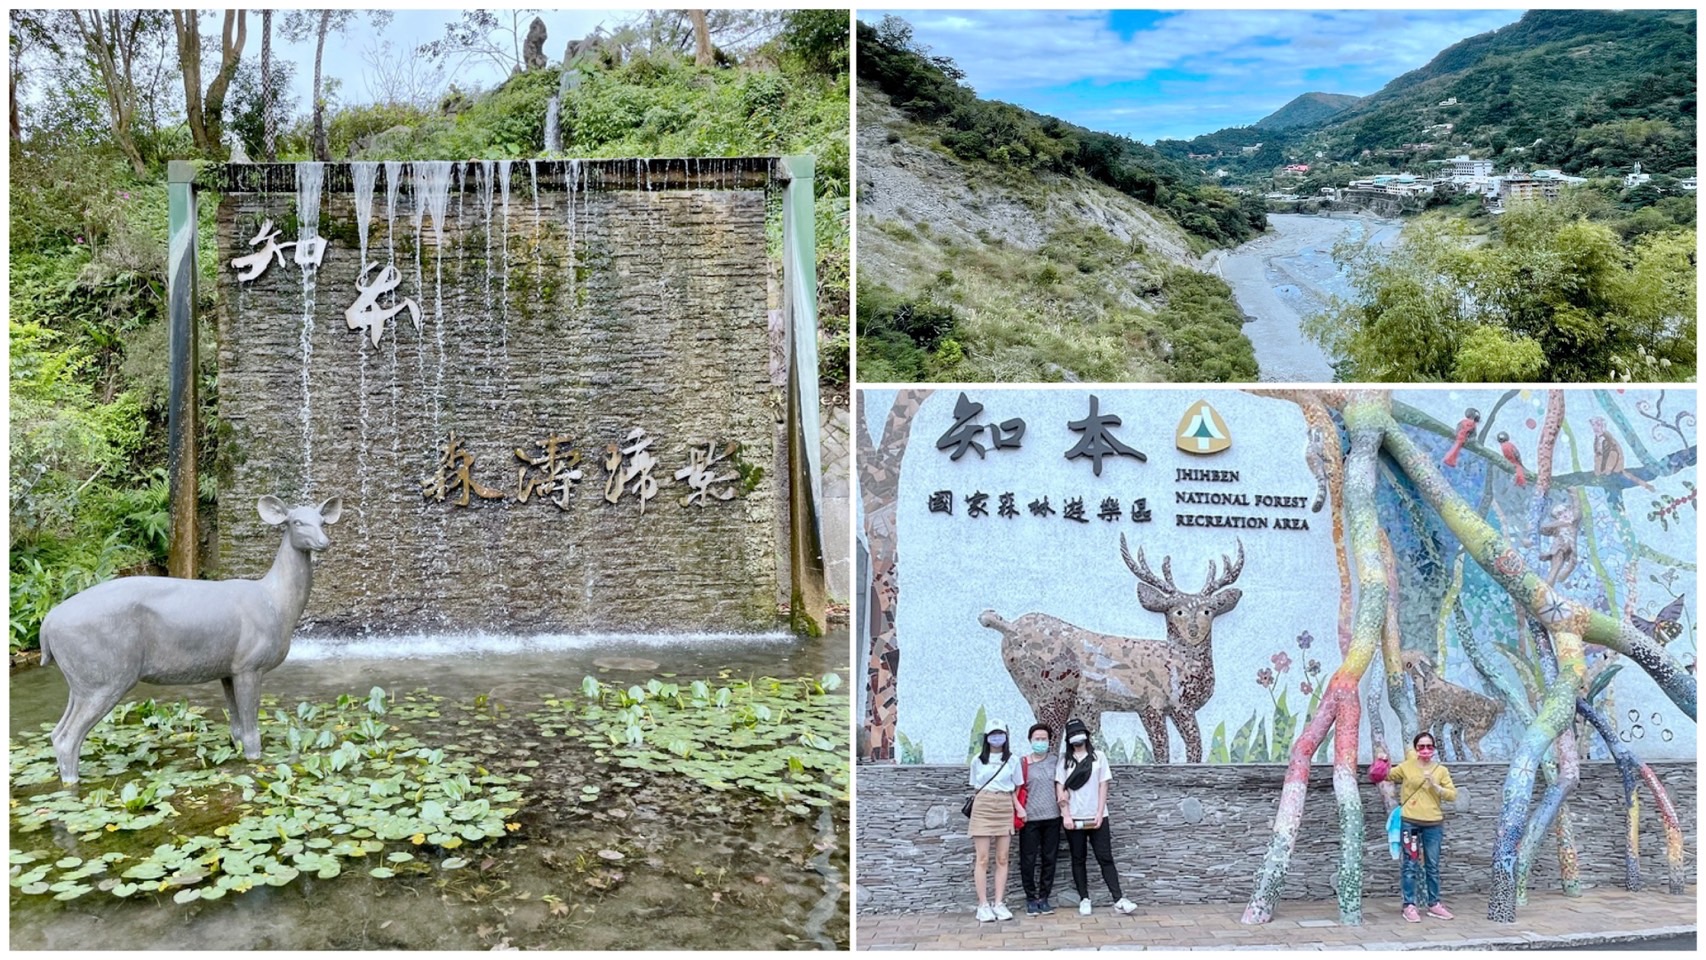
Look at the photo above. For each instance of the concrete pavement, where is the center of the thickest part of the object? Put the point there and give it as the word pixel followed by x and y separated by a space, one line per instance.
pixel 1600 915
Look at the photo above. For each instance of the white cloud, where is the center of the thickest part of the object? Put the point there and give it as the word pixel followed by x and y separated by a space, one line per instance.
pixel 1251 61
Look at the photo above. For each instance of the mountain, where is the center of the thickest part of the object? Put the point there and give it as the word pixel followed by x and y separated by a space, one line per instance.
pixel 1591 92
pixel 1308 109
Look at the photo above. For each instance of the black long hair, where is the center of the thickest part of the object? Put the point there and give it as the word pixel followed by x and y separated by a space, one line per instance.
pixel 1006 748
pixel 1081 768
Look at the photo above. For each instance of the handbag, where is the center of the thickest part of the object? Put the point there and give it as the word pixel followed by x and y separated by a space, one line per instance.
pixel 965 808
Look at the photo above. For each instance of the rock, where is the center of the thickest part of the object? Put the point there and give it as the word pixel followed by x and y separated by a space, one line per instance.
pixel 533 48
pixel 1191 809
pixel 936 818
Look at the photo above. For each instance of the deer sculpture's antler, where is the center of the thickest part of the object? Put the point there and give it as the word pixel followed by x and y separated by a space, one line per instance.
pixel 1140 568
pixel 1231 572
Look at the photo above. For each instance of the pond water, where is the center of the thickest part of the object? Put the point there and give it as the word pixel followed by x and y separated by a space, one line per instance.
pixel 599 855
pixel 1287 274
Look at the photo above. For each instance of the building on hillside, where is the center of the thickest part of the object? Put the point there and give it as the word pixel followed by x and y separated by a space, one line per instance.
pixel 1246 151
pixel 1448 102
pixel 1463 168
pixel 1688 184
pixel 1298 168
pixel 1636 178
pixel 1522 186
pixel 1560 176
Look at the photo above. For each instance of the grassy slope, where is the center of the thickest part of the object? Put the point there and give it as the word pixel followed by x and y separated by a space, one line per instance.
pixel 1045 277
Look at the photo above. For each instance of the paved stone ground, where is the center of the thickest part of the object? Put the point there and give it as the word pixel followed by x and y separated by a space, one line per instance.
pixel 1549 920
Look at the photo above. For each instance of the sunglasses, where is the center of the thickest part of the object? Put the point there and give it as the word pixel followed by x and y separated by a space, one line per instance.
pixel 1424 746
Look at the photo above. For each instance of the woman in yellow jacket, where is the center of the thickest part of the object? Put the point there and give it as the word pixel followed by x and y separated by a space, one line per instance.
pixel 1422 783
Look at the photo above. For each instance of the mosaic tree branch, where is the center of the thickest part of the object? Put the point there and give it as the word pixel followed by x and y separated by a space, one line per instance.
pixel 1631 769
pixel 1548 440
pixel 1551 806
pixel 1489 549
pixel 879 487
pixel 1516 701
pixel 1391 650
pixel 1365 417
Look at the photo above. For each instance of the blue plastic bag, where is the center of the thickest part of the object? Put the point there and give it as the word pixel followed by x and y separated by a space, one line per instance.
pixel 1394 826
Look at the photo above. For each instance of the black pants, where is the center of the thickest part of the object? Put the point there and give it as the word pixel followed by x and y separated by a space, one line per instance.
pixel 1038 836
pixel 1099 839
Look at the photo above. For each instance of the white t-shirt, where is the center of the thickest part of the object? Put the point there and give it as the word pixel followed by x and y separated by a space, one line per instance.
pixel 1006 781
pixel 1081 803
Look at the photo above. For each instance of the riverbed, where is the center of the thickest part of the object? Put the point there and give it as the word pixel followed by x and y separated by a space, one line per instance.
pixel 656 861
pixel 1287 274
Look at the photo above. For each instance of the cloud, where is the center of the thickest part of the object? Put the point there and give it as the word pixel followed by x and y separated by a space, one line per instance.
pixel 1225 68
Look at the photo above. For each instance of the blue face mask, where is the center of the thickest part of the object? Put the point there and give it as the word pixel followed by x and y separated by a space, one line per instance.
pixel 998 739
pixel 1039 747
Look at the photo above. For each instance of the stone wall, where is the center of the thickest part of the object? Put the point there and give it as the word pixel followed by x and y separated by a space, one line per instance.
pixel 579 312
pixel 836 508
pixel 1198 835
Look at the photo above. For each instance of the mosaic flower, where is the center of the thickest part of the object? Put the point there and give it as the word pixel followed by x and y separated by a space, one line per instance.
pixel 1306 688
pixel 1265 677
pixel 1282 662
pixel 1313 668
pixel 1304 640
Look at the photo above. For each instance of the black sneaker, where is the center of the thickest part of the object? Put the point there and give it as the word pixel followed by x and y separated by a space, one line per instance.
pixel 1032 908
pixel 1045 905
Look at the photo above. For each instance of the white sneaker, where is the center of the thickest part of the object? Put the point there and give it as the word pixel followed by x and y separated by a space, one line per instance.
pixel 1084 907
pixel 1001 911
pixel 984 914
pixel 1125 906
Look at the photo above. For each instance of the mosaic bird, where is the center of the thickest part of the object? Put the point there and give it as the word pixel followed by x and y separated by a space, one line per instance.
pixel 1509 450
pixel 1666 626
pixel 1465 427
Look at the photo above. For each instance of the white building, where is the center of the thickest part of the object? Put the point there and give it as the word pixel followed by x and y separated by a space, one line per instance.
pixel 1688 184
pixel 1465 169
pixel 1636 178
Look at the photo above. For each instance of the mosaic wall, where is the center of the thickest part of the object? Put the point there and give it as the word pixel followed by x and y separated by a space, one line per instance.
pixel 1187 601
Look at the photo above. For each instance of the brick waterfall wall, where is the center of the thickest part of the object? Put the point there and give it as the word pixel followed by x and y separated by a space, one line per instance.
pixel 1197 834
pixel 615 296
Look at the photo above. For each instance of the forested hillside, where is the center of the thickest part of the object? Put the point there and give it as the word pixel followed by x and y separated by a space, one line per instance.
pixel 100 102
pixel 1584 91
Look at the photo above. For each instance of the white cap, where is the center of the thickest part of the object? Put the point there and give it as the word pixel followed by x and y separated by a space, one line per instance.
pixel 995 725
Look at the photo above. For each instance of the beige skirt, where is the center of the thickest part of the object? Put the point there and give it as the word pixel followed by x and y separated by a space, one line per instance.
pixel 991 814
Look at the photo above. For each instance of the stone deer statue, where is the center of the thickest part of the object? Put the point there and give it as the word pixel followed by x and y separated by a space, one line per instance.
pixel 1066 671
pixel 1441 704
pixel 167 630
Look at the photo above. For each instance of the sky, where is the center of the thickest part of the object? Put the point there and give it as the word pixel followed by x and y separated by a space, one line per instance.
pixel 1151 74
pixel 346 56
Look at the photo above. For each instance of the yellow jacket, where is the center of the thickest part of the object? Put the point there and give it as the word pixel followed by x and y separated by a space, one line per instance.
pixel 1419 802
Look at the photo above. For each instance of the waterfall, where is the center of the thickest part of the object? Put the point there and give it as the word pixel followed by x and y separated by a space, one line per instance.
pixel 553 139
pixel 363 175
pixel 503 318
pixel 538 227
pixel 309 177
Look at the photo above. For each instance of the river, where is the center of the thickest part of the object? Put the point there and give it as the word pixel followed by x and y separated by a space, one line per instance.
pixel 1287 274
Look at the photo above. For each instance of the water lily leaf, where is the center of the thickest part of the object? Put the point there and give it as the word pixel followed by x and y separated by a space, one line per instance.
pixel 34 889
pixel 185 896
pixel 454 863
pixel 382 873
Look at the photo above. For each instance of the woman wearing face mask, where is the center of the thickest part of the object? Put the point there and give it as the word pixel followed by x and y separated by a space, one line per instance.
pixel 1081 785
pixel 1039 838
pixel 996 776
pixel 1422 783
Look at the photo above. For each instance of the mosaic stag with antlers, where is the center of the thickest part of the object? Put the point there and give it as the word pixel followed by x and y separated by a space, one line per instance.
pixel 1064 670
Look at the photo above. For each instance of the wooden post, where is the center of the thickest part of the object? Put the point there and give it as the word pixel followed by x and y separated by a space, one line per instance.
pixel 182 427
pixel 809 593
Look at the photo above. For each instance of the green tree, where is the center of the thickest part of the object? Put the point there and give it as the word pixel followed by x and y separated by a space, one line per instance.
pixel 1550 296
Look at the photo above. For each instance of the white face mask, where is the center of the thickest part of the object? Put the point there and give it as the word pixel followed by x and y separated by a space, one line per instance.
pixel 1078 741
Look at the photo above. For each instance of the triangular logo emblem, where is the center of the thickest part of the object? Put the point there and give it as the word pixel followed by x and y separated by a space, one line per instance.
pixel 1202 431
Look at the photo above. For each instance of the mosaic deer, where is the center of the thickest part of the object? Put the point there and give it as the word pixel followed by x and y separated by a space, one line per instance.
pixel 1066 671
pixel 1441 703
